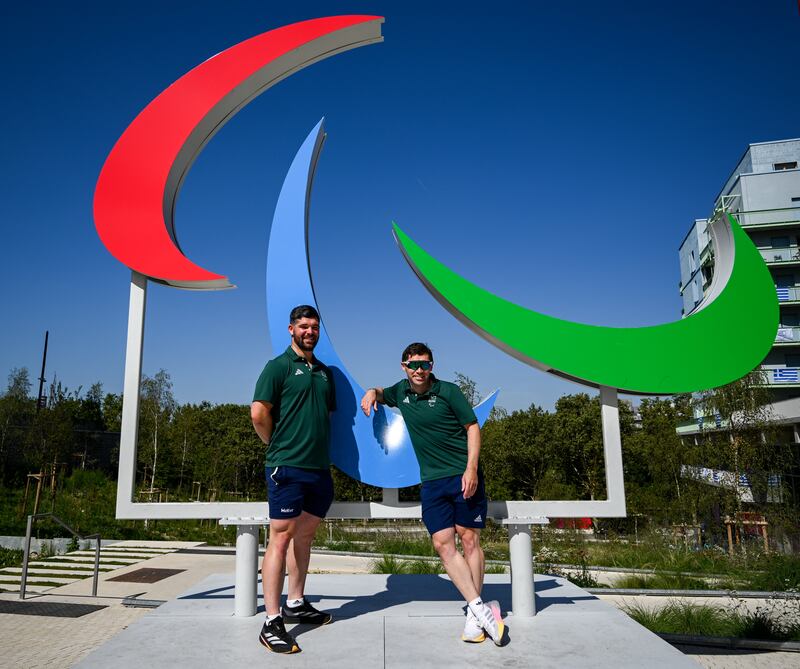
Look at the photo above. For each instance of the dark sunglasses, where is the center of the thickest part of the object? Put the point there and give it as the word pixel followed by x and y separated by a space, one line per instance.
pixel 424 365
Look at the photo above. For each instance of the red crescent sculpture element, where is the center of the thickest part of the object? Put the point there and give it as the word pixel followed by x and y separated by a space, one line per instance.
pixel 134 201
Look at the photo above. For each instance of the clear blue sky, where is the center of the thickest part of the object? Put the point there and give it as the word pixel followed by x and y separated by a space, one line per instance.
pixel 554 153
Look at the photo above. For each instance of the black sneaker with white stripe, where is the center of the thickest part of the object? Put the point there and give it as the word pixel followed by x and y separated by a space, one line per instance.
pixel 275 637
pixel 305 613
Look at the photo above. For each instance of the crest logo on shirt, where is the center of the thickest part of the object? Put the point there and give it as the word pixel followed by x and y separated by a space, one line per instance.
pixel 432 401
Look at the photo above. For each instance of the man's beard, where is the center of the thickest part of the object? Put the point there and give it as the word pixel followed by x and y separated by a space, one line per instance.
pixel 302 345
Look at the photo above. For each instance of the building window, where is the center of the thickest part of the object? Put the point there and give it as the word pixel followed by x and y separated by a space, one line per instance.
pixel 785 166
pixel 796 199
pixel 793 359
pixel 779 242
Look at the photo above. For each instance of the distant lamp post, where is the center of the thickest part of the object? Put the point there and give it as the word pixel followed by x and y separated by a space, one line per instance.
pixel 41 400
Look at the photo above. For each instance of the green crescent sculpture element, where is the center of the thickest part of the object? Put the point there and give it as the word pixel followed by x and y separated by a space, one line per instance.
pixel 727 337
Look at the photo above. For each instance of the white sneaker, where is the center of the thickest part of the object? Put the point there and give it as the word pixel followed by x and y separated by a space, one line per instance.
pixel 489 618
pixel 473 632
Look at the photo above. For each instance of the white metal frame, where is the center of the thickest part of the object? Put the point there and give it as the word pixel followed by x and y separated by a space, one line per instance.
pixel 390 507
pixel 247 516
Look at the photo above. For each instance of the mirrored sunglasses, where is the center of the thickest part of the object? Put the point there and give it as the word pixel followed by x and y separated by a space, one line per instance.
pixel 424 365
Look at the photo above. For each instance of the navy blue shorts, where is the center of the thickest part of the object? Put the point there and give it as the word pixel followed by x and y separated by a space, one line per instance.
pixel 444 506
pixel 292 490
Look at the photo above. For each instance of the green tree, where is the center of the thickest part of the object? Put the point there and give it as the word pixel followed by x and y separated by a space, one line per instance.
pixel 157 405
pixel 19 384
pixel 517 456
pixel 16 413
pixel 468 387
pixel 579 434
pixel 653 458
pixel 748 444
pixel 112 412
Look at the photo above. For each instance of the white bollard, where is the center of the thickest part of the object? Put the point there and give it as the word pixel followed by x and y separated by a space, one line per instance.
pixel 246 584
pixel 523 603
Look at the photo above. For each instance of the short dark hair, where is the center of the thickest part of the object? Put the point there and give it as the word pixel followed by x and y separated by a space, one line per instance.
pixel 303 311
pixel 417 348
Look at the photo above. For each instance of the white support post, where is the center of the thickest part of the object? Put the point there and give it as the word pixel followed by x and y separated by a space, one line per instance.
pixel 130 399
pixel 246 582
pixel 612 449
pixel 523 602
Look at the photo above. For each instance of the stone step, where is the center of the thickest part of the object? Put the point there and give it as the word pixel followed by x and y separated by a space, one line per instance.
pixel 35 569
pixel 72 566
pixel 86 559
pixel 154 551
pixel 109 556
pixel 144 556
pixel 33 580
pixel 30 589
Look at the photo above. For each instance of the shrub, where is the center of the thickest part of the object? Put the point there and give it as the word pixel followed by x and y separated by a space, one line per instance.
pixel 10 557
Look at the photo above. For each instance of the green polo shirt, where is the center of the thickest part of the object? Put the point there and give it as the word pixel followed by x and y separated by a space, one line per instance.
pixel 301 399
pixel 435 421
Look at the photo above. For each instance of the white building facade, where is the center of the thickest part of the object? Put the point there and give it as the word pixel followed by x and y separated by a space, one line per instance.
pixel 763 193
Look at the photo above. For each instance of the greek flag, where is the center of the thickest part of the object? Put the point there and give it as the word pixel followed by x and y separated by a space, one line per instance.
pixel 786 375
pixel 783 294
pixel 717 420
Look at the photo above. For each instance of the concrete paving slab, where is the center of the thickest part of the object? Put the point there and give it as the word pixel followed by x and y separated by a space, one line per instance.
pixel 586 640
pixel 233 642
pixel 389 621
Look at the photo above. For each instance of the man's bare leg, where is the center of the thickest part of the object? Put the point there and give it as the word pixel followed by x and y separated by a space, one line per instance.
pixel 274 565
pixel 444 541
pixel 473 553
pixel 459 571
pixel 299 553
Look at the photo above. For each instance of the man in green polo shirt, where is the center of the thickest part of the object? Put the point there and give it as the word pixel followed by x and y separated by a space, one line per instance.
pixel 447 441
pixel 291 414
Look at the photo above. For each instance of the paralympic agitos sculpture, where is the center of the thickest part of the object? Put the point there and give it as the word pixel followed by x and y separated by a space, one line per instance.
pixel 645 361
pixel 134 214
pixel 374 450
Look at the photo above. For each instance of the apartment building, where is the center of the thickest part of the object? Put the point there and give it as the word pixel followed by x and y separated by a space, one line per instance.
pixel 763 193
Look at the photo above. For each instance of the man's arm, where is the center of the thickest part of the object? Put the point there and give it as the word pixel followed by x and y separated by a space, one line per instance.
pixel 261 415
pixel 469 481
pixel 372 398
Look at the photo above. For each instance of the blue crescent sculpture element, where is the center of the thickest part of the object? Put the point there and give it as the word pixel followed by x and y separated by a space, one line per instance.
pixel 375 450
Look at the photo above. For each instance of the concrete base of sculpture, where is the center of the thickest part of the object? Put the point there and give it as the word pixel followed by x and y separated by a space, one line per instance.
pixel 388 621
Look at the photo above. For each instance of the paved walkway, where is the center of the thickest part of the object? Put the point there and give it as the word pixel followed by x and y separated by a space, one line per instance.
pixel 391 620
pixel 69 640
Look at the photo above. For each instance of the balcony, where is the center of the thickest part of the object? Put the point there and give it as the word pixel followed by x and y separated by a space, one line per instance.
pixel 787 217
pixel 781 376
pixel 787 335
pixel 784 256
pixel 787 295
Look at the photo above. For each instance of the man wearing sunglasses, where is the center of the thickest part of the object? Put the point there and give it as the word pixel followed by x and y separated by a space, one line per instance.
pixel 291 413
pixel 447 440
